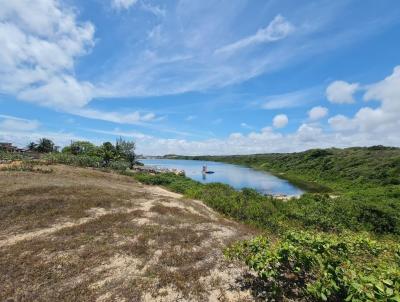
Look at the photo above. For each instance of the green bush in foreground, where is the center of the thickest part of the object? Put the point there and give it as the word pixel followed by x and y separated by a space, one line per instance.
pixel 324 266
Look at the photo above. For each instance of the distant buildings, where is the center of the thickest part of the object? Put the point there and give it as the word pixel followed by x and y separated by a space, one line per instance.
pixel 8 147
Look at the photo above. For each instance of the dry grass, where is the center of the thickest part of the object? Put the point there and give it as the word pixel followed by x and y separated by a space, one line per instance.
pixel 84 235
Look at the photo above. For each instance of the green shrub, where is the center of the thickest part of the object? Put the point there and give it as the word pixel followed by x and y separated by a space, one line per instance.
pixel 380 218
pixel 322 266
pixel 74 160
pixel 8 156
pixel 119 165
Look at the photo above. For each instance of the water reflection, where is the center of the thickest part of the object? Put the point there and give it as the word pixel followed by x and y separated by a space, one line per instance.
pixel 235 176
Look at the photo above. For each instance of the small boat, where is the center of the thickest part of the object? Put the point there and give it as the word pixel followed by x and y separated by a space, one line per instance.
pixel 205 171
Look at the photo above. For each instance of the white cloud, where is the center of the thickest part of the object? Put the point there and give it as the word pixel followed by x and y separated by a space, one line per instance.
pixel 280 121
pixel 317 113
pixel 341 92
pixel 62 92
pixel 369 126
pixel 190 118
pixel 183 46
pixel 279 28
pixel 291 100
pixel 154 9
pixel 21 131
pixel 381 123
pixel 40 42
pixel 341 123
pixel 41 39
pixel 11 123
pixel 386 91
pixel 116 117
pixel 246 126
pixel 118 132
pixel 123 4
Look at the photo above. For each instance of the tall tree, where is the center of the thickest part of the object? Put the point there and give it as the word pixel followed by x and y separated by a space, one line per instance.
pixel 108 152
pixel 45 145
pixel 126 149
pixel 82 147
pixel 32 146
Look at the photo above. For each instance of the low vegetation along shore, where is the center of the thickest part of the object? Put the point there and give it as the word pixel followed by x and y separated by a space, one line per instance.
pixel 116 238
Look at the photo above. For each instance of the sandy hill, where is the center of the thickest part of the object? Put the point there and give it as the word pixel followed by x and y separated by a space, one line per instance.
pixel 84 235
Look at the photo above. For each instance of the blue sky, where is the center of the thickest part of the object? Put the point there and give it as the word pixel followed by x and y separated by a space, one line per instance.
pixel 201 77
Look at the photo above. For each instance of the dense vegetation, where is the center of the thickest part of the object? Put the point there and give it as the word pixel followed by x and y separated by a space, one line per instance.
pixel 339 243
pixel 315 246
pixel 120 156
pixel 324 266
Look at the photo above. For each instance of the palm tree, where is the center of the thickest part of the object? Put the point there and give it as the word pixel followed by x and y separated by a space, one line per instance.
pixel 32 146
pixel 45 145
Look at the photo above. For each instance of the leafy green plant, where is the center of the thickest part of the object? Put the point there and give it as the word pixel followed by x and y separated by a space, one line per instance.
pixel 326 267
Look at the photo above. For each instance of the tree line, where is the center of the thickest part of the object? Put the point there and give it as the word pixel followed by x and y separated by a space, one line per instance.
pixel 122 150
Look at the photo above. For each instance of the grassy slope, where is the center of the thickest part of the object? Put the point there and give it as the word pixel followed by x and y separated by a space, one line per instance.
pixel 344 263
pixel 365 180
pixel 74 234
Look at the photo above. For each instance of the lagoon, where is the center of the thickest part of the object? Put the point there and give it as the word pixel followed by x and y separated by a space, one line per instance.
pixel 238 177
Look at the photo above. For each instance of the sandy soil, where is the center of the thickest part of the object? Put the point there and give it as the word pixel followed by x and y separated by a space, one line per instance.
pixel 84 235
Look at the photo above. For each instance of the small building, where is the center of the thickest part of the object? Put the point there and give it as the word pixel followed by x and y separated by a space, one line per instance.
pixel 8 147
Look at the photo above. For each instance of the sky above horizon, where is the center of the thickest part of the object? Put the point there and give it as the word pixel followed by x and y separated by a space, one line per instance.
pixel 200 76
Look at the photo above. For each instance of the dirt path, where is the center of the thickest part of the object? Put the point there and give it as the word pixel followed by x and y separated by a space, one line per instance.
pixel 80 234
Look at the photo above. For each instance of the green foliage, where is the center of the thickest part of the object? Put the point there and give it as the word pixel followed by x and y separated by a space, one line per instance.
pixel 118 157
pixel 310 211
pixel 326 267
pixel 10 156
pixel 246 205
pixel 32 146
pixel 45 145
pixel 119 165
pixel 341 169
pixel 327 257
pixel 73 160
pixel 126 149
pixel 81 148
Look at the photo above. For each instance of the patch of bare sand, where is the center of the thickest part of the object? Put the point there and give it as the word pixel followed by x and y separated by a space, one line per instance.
pixel 163 192
pixel 93 212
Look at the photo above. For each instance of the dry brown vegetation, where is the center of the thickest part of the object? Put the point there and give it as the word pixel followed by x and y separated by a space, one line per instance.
pixel 78 234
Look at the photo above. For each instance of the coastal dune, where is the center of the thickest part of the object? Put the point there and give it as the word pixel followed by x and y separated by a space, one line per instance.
pixel 82 234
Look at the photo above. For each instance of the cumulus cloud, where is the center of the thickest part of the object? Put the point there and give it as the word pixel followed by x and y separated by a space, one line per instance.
pixel 63 92
pixel 341 92
pixel 40 43
pixel 317 113
pixel 369 126
pixel 123 4
pixel 280 121
pixel 279 28
pixel 381 121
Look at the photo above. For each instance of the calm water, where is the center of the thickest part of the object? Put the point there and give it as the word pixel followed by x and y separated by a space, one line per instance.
pixel 235 176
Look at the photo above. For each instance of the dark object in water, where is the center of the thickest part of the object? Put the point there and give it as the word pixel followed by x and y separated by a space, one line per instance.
pixel 205 171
